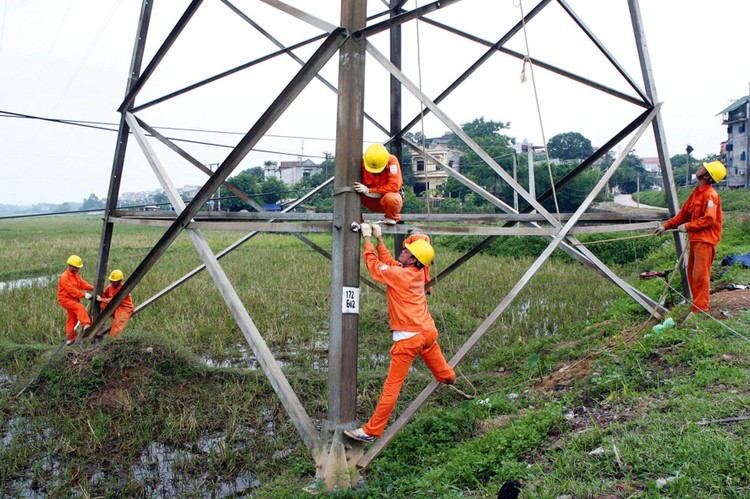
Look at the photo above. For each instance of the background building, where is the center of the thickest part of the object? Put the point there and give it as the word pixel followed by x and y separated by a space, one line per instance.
pixel 427 175
pixel 735 117
pixel 290 172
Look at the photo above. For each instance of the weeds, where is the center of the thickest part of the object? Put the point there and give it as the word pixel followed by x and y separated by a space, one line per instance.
pixel 144 416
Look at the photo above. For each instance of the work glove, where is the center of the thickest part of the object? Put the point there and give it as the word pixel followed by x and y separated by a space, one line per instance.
pixel 87 296
pixel 682 228
pixel 361 188
pixel 659 230
pixel 366 230
pixel 376 231
pixel 98 298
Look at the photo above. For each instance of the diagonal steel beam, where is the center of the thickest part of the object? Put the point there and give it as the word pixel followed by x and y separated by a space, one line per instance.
pixel 520 285
pixel 301 15
pixel 276 42
pixel 541 64
pixel 226 73
pixel 478 63
pixel 399 19
pixel 263 354
pixel 604 51
pixel 578 252
pixel 277 108
pixel 166 45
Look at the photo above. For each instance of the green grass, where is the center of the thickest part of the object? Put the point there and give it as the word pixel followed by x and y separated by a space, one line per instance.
pixel 98 415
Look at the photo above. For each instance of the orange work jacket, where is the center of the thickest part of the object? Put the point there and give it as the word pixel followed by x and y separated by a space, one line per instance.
pixel 702 213
pixel 389 180
pixel 109 293
pixel 69 287
pixel 407 303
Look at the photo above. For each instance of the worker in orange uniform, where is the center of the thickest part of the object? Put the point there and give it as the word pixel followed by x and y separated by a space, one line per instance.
pixel 380 189
pixel 123 311
pixel 70 289
pixel 700 217
pixel 413 329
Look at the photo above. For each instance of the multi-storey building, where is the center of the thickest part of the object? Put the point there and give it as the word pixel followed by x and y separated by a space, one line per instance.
pixel 427 175
pixel 290 172
pixel 737 146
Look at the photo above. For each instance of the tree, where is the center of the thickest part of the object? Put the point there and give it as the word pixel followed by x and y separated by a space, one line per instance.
pixel 272 190
pixel 487 135
pixel 247 181
pixel 569 146
pixel 92 203
pixel 627 174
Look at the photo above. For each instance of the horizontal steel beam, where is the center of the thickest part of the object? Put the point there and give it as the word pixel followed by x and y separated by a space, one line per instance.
pixel 613 217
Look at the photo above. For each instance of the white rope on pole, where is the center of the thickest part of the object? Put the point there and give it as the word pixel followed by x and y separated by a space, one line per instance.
pixel 527 59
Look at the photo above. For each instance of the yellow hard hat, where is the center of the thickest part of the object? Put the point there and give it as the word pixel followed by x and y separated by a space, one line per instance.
pixel 422 251
pixel 376 158
pixel 717 170
pixel 116 275
pixel 75 261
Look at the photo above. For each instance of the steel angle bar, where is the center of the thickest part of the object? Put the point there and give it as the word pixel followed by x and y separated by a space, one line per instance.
pixel 226 73
pixel 118 162
pixel 278 107
pixel 301 15
pixel 462 178
pixel 193 161
pixel 581 254
pixel 478 63
pixel 456 129
pixel 585 164
pixel 604 50
pixel 229 186
pixel 517 288
pixel 659 135
pixel 276 42
pixel 400 19
pixel 165 46
pixel 263 354
pixel 228 250
pixel 541 64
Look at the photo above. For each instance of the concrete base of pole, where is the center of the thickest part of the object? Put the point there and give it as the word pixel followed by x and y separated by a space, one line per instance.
pixel 335 464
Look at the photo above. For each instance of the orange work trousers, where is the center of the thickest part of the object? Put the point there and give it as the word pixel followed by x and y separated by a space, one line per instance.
pixel 76 313
pixel 390 204
pixel 119 319
pixel 699 273
pixel 403 354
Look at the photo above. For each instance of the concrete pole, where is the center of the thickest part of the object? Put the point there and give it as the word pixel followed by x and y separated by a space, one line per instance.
pixel 396 145
pixel 334 467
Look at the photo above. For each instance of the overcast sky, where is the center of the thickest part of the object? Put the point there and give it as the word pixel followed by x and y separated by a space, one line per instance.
pixel 68 59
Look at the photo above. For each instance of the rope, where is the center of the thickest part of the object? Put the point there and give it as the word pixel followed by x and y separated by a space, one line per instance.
pixel 706 313
pixel 600 241
pixel 39 373
pixel 437 294
pixel 527 59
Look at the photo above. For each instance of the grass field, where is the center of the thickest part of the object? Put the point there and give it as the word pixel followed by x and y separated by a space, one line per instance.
pixel 151 415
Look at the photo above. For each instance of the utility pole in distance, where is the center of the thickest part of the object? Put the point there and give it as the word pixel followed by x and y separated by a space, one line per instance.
pixel 688 150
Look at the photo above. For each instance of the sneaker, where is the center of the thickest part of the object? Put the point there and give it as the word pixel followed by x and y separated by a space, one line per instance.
pixel 69 342
pixel 360 435
pixel 389 221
